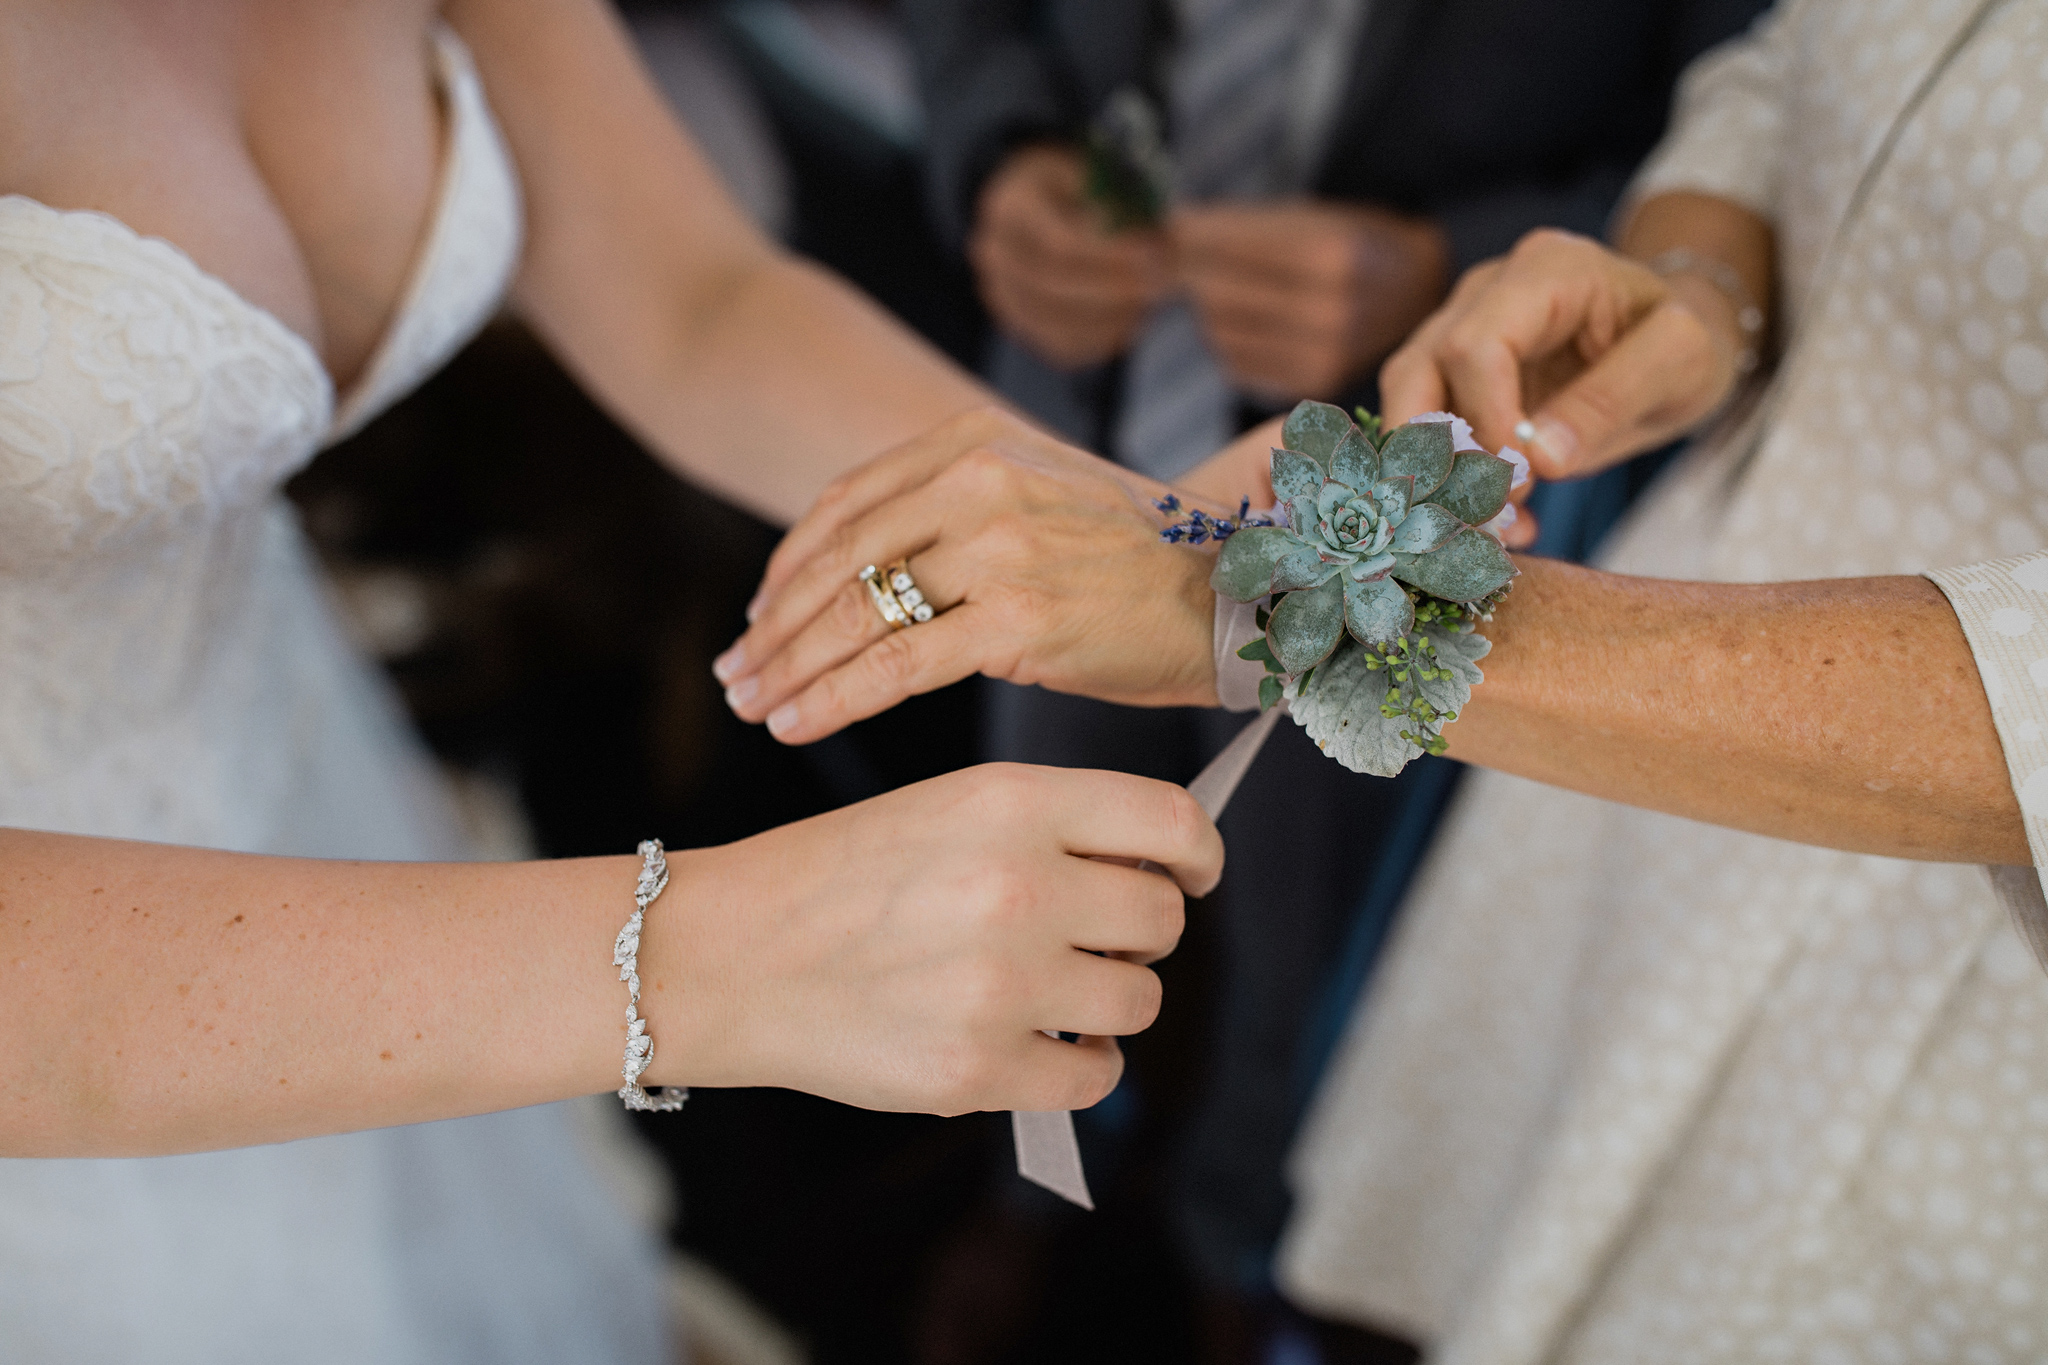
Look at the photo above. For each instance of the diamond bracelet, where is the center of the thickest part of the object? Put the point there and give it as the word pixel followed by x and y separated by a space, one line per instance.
pixel 1749 319
pixel 626 957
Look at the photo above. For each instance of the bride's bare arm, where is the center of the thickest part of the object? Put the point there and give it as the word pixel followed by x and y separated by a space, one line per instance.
pixel 750 371
pixel 165 999
pixel 899 954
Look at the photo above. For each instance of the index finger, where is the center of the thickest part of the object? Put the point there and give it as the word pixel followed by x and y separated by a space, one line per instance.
pixel 1102 814
pixel 1552 291
pixel 1657 380
pixel 1410 381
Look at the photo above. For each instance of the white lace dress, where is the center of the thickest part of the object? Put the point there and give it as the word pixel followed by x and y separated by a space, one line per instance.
pixel 170 669
pixel 1630 1088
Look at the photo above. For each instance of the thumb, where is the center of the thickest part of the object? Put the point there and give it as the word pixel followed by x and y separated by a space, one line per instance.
pixel 1656 378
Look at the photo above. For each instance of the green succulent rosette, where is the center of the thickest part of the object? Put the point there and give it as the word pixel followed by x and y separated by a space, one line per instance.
pixel 1379 579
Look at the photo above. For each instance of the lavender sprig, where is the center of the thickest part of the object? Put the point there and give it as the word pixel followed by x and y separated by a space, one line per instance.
pixel 1199 526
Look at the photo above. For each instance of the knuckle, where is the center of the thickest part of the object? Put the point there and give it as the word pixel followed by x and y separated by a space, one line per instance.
pixel 835 493
pixel 1006 539
pixel 1004 790
pixel 1001 894
pixel 1543 241
pixel 1105 1067
pixel 1402 365
pixel 1472 280
pixel 984 469
pixel 1599 410
pixel 963 1073
pixel 852 612
pixel 1185 820
pixel 984 991
pixel 1173 916
pixel 840 547
pixel 1147 994
pixel 1460 343
pixel 892 660
pixel 825 699
pixel 982 420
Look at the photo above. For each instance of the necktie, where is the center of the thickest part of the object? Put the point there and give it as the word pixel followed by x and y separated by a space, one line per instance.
pixel 1232 110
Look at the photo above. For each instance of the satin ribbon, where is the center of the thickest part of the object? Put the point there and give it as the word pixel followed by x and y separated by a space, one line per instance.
pixel 1047 1152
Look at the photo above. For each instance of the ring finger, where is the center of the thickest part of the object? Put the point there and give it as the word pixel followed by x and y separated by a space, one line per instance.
pixel 848 624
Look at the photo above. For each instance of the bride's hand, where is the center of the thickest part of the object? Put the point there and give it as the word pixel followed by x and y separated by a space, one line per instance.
pixel 1044 563
pixel 904 953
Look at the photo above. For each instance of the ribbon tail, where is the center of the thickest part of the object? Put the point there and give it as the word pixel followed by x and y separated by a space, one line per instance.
pixel 1048 1154
pixel 1217 783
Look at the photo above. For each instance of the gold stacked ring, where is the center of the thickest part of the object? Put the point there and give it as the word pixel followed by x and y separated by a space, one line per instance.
pixel 896 595
pixel 885 601
pixel 907 594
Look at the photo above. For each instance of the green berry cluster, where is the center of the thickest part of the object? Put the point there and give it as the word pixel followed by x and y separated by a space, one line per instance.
pixel 1409 660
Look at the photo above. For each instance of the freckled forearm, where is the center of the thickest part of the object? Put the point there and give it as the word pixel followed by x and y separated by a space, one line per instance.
pixel 1846 713
pixel 167 999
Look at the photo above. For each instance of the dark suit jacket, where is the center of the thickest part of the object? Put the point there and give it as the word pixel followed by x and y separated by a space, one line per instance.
pixel 1490 116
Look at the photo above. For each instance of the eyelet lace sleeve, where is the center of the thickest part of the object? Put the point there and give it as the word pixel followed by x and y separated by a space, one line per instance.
pixel 2003 607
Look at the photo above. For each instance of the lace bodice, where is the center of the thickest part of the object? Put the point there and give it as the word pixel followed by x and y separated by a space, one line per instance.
pixel 165 645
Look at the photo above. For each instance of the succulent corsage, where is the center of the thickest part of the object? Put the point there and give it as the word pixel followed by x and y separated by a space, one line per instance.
pixel 1379 577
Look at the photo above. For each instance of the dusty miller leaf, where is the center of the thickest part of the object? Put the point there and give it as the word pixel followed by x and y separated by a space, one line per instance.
pixel 1460 654
pixel 1341 713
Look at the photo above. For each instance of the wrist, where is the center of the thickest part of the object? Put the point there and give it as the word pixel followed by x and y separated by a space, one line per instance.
pixel 686 970
pixel 1195 603
pixel 1712 291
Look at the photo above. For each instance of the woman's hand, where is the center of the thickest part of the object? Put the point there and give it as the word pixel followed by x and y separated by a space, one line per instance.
pixel 1605 358
pixel 905 953
pixel 1045 563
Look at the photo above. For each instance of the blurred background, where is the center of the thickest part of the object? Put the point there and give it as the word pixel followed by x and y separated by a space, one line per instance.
pixel 549 601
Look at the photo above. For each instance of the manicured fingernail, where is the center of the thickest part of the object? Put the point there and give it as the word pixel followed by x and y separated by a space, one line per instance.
pixel 729 665
pixel 742 692
pixel 754 607
pixel 1525 431
pixel 782 719
pixel 1559 441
